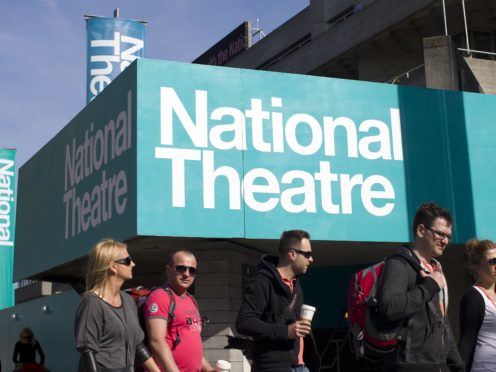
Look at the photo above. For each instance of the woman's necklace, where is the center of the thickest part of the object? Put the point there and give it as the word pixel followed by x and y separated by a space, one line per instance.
pixel 115 302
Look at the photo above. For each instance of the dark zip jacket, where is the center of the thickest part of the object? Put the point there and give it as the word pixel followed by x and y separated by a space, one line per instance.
pixel 405 298
pixel 268 308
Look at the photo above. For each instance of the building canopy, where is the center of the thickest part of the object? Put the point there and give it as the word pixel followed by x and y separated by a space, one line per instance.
pixel 181 150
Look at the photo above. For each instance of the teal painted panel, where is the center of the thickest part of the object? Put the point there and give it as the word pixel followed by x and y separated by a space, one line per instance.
pixel 263 151
pixel 320 189
pixel 480 112
pixel 81 186
pixel 179 193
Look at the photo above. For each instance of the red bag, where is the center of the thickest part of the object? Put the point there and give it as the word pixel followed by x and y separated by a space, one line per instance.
pixel 369 341
pixel 30 367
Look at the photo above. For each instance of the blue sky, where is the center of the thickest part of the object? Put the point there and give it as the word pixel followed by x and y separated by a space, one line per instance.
pixel 42 63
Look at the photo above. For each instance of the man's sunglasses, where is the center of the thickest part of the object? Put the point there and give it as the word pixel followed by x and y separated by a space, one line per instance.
pixel 124 261
pixel 492 261
pixel 306 254
pixel 181 269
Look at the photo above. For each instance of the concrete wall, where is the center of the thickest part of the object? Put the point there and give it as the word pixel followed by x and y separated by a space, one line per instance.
pixel 485 73
pixel 219 291
pixel 446 69
pixel 441 63
pixel 382 70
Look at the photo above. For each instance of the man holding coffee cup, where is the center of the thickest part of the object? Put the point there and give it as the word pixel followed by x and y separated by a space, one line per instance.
pixel 273 313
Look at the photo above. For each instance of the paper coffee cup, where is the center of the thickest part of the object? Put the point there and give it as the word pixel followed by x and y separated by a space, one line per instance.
pixel 307 312
pixel 223 366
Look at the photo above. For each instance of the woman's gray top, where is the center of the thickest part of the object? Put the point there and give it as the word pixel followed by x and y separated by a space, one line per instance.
pixel 111 333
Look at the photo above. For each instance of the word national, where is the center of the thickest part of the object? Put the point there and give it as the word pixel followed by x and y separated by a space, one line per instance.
pixel 6 201
pixel 88 159
pixel 264 128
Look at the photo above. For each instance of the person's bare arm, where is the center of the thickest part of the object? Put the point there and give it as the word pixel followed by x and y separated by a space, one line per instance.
pixel 151 366
pixel 157 329
pixel 206 367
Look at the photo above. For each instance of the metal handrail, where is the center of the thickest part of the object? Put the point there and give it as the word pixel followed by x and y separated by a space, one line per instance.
pixel 406 73
pixel 477 51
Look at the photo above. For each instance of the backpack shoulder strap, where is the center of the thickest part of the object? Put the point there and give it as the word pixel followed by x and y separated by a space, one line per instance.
pixel 406 254
pixel 171 317
pixel 172 304
pixel 193 299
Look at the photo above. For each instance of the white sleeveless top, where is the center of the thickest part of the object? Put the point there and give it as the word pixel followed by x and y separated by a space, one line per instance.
pixel 485 349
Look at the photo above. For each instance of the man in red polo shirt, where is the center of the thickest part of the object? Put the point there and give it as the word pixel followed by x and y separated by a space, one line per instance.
pixel 176 346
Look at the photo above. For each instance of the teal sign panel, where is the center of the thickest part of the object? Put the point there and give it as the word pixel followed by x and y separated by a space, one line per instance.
pixel 240 153
pixel 480 114
pixel 7 225
pixel 237 153
pixel 81 186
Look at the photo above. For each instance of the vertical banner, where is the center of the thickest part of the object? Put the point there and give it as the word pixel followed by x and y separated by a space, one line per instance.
pixel 112 44
pixel 7 226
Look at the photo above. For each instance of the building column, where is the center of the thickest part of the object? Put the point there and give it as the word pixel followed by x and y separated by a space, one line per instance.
pixel 441 63
pixel 223 272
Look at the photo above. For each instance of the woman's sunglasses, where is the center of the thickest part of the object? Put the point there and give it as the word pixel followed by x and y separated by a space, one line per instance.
pixel 124 261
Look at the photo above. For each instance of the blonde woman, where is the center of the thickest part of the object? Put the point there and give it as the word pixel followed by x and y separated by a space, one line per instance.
pixel 25 349
pixel 107 331
pixel 478 309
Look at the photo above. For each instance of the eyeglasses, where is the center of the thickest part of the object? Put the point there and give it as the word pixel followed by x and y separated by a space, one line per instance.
pixel 124 261
pixel 181 269
pixel 439 233
pixel 492 261
pixel 306 254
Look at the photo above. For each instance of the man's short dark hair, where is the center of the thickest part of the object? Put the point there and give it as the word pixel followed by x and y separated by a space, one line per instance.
pixel 291 240
pixel 427 213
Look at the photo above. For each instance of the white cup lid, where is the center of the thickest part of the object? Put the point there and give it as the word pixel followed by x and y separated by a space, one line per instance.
pixel 223 364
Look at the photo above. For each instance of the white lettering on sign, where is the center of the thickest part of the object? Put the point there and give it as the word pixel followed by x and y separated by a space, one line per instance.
pixel 6 201
pixel 99 202
pixel 296 191
pixel 124 50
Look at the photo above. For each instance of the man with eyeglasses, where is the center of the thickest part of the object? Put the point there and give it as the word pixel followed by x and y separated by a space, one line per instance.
pixel 176 346
pixel 416 301
pixel 271 308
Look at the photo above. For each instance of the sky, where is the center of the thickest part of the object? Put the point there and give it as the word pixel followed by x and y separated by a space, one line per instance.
pixel 43 55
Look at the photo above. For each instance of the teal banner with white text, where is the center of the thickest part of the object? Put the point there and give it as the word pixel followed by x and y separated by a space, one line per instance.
pixel 7 226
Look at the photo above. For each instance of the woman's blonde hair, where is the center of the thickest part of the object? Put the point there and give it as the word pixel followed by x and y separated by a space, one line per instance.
pixel 29 333
pixel 101 256
pixel 476 252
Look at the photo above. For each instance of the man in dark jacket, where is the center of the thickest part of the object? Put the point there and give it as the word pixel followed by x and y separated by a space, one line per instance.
pixel 417 300
pixel 271 308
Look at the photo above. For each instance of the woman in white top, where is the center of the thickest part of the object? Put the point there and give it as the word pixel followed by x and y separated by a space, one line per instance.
pixel 478 309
